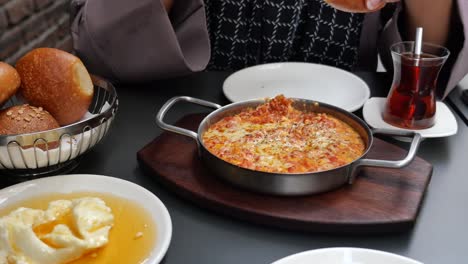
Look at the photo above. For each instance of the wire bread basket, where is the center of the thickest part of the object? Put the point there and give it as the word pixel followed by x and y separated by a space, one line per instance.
pixel 58 150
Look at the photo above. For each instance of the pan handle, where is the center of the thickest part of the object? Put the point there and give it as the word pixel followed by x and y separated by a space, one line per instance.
pixel 182 131
pixel 417 138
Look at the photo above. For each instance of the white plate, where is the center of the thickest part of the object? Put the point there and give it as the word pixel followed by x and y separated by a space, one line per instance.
pixel 345 256
pixel 100 184
pixel 298 80
pixel 445 122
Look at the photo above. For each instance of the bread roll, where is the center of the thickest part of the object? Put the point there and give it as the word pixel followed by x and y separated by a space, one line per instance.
pixel 23 119
pixel 57 81
pixel 9 82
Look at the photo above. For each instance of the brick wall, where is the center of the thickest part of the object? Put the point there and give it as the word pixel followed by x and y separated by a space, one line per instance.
pixel 28 24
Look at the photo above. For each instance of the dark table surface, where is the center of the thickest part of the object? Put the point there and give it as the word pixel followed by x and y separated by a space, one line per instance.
pixel 200 236
pixel 460 106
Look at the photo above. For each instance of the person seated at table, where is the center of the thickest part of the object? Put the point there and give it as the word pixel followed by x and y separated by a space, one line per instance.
pixel 144 40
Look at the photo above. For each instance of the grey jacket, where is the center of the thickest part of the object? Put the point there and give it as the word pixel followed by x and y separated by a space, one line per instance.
pixel 134 41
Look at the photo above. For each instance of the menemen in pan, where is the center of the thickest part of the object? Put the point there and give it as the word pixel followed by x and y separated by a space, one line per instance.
pixel 276 137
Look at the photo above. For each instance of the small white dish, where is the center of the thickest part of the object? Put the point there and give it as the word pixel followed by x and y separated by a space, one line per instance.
pixel 99 184
pixel 346 256
pixel 445 122
pixel 298 80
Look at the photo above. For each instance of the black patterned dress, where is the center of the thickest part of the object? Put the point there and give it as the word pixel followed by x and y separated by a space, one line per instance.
pixel 250 32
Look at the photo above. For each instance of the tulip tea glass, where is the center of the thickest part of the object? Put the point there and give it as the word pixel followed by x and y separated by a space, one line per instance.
pixel 411 102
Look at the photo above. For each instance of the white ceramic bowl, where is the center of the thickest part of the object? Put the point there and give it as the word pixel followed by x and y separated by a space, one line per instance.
pixel 298 80
pixel 99 184
pixel 345 256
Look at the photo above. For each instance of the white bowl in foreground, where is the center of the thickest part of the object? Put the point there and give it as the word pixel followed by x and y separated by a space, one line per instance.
pixel 346 256
pixel 99 184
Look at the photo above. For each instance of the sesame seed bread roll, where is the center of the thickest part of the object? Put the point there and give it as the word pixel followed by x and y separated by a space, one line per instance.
pixel 22 119
pixel 57 81
pixel 9 82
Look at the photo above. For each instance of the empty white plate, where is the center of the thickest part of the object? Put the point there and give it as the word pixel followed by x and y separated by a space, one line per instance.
pixel 445 122
pixel 298 80
pixel 345 256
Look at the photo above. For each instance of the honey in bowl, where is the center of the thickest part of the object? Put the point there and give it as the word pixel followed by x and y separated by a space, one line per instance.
pixel 131 238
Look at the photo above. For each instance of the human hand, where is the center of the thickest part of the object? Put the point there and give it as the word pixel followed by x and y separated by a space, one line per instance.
pixel 168 5
pixel 358 6
pixel 377 4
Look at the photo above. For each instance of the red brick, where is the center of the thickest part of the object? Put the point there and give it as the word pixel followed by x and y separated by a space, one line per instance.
pixel 59 8
pixel 40 4
pixel 3 21
pixel 15 57
pixel 34 26
pixel 17 10
pixel 41 21
pixel 33 23
pixel 55 33
pixel 10 42
pixel 48 40
pixel 50 37
pixel 64 25
pixel 65 44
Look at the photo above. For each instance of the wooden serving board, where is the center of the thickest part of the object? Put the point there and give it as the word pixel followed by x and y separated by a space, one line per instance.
pixel 380 200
